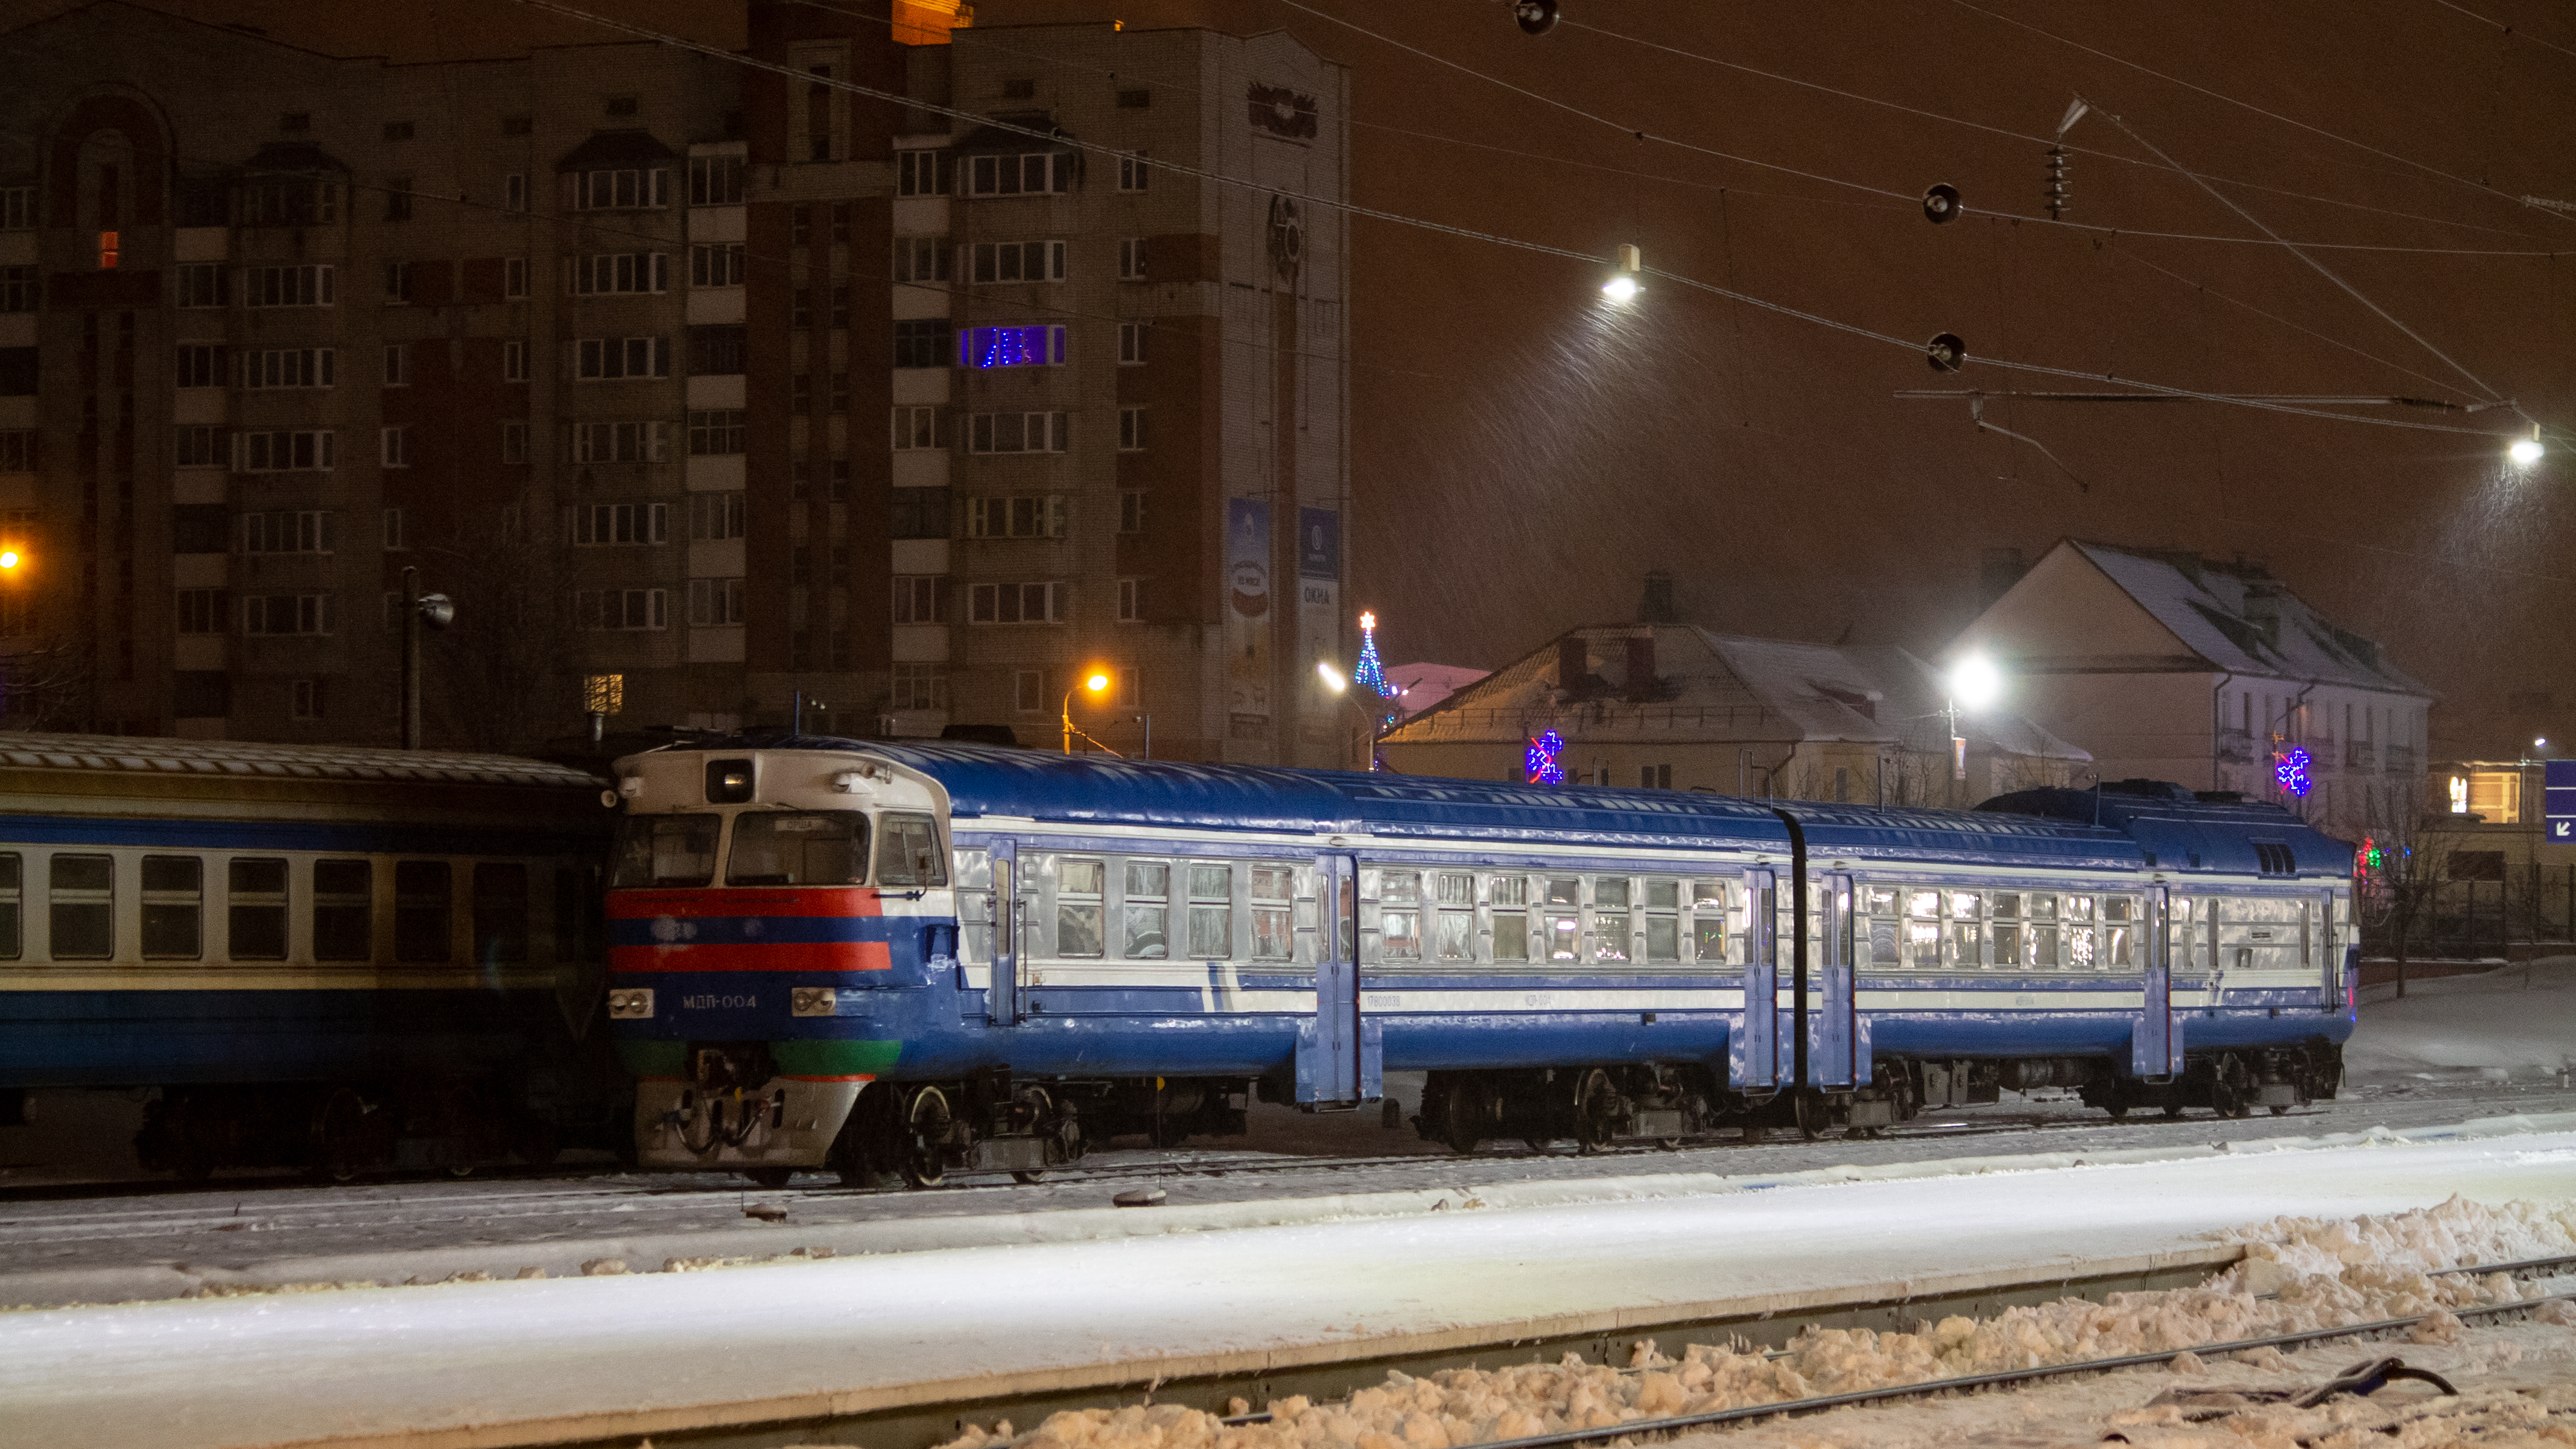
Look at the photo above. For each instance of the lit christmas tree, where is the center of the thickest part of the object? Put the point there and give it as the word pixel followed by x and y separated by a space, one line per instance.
pixel 1370 673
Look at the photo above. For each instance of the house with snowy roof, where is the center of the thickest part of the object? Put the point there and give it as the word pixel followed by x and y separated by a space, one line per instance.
pixel 1669 706
pixel 2171 666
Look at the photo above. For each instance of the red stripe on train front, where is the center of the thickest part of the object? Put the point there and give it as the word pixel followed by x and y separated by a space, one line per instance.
pixel 690 905
pixel 780 956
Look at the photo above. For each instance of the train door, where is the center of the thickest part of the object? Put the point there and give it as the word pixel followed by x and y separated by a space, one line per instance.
pixel 1328 1050
pixel 1753 1051
pixel 1833 1028
pixel 1002 998
pixel 2155 1043
pixel 2317 935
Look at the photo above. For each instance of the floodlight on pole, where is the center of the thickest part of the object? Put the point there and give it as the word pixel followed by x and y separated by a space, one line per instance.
pixel 2526 451
pixel 1332 677
pixel 1623 284
pixel 1974 681
pixel 1094 683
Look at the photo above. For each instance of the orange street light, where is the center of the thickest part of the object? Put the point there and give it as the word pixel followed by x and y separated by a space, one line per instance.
pixel 1095 683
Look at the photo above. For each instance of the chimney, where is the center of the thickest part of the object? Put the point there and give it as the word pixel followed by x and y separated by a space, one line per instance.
pixel 1641 666
pixel 1656 605
pixel 1573 665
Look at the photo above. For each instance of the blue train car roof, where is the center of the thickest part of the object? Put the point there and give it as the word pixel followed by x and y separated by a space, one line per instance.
pixel 1100 789
pixel 2181 831
pixel 1882 833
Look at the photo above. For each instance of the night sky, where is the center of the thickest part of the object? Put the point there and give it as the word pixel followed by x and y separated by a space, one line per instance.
pixel 1524 453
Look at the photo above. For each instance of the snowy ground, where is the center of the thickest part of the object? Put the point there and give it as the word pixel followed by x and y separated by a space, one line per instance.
pixel 619 1350
pixel 2515 1022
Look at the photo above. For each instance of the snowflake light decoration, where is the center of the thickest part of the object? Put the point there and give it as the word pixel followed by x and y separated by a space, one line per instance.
pixel 1540 760
pixel 2292 771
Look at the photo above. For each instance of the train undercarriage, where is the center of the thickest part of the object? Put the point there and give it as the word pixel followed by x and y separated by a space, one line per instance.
pixel 335 1131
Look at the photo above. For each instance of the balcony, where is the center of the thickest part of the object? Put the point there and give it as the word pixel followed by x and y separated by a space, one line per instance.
pixel 2360 755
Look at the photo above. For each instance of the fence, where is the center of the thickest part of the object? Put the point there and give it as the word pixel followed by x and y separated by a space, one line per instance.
pixel 2529 903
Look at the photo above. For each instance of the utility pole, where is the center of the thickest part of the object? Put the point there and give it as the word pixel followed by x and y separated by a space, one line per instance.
pixel 435 611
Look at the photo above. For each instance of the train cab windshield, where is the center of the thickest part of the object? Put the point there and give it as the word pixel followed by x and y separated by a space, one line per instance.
pixel 798 847
pixel 666 850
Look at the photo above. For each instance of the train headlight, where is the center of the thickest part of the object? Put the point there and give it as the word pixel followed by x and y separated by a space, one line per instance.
pixel 630 1003
pixel 813 1001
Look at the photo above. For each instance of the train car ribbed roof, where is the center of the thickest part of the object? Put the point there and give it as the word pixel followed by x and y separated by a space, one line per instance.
pixel 241 759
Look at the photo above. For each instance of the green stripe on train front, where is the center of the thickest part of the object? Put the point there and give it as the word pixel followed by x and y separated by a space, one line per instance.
pixel 653 1058
pixel 813 1058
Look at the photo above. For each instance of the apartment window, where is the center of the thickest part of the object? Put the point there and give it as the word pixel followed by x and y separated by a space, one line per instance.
pixel 290 203
pixel 290 367
pixel 921 259
pixel 514 361
pixel 398 198
pixel 800 394
pixel 287 286
pixel 800 226
pixel 1034 261
pixel 920 686
pixel 198 364
pixel 716 432
pixel 1028 174
pixel 1028 692
pixel 203 611
pixel 18 289
pixel 599 525
pixel 919 513
pixel 610 359
pixel 397 364
pixel 920 173
pixel 1135 100
pixel 304 698
pixel 800 566
pixel 628 189
pixel 1131 602
pixel 1131 259
pixel 715 180
pixel 397 281
pixel 614 273
pixel 190 447
pixel 286 614
pixel 840 480
pixel 1131 344
pixel 1131 688
pixel 514 276
pixel 200 284
pixel 282 451
pixel 920 599
pixel 518 125
pixel 1033 516
pixel 839 401
pixel 606 694
pixel 514 442
pixel 1018 433
pixel 619 442
pixel 17 208
pixel 1131 172
pixel 514 192
pixel 990 347
pixel 715 603
pixel 1660 777
pixel 841 306
pixel 622 609
pixel 800 308
pixel 1131 430
pixel 921 344
pixel 818 114
pixel 715 516
pixel 1131 511
pixel 394 446
pixel 916 427
pixel 396 539
pixel 841 223
pixel 290 531
pixel 715 264
pixel 1023 603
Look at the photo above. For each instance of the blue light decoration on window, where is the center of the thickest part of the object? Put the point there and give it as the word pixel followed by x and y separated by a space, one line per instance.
pixel 982 347
pixel 1540 759
pixel 2292 771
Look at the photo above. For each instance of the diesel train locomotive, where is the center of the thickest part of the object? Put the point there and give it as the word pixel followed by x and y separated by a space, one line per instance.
pixel 922 958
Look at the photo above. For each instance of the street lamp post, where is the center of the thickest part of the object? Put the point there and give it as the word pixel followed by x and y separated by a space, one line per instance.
pixel 1975 681
pixel 1335 681
pixel 436 611
pixel 1095 683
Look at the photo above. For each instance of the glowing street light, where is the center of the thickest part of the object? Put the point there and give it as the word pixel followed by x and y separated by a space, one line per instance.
pixel 2525 451
pixel 1623 284
pixel 1095 684
pixel 1332 677
pixel 8 558
pixel 1974 681
pixel 1340 684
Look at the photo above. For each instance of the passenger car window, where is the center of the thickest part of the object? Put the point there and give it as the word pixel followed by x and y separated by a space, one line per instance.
pixel 908 851
pixel 665 850
pixel 1211 912
pixel 83 901
pixel 1511 917
pixel 10 892
pixel 500 912
pixel 1274 935
pixel 798 848
pixel 1399 917
pixel 423 890
pixel 343 905
pixel 1146 911
pixel 255 910
pixel 174 905
pixel 1077 907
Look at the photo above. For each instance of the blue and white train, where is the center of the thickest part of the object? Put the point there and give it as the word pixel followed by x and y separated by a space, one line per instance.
pixel 321 957
pixel 926 958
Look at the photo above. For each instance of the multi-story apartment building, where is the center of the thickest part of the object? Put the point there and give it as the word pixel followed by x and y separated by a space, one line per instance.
pixel 701 383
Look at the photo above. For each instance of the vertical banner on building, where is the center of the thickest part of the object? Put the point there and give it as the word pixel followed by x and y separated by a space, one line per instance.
pixel 1247 617
pixel 1319 607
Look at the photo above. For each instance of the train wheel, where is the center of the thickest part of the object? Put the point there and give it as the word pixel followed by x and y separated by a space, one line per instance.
pixel 1024 1179
pixel 872 1140
pixel 925 1158
pixel 339 1135
pixel 2231 1087
pixel 1813 1114
pixel 1596 1109
pixel 772 1178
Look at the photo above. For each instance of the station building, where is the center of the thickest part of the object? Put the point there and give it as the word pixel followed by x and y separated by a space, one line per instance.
pixel 701 382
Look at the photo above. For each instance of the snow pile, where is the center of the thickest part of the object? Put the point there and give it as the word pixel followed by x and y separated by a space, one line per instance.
pixel 2518 1021
pixel 2318 1275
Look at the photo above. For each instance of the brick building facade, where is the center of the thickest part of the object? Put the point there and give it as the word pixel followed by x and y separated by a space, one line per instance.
pixel 698 384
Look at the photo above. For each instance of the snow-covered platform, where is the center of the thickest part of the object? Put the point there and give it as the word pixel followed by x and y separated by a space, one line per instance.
pixel 487 1363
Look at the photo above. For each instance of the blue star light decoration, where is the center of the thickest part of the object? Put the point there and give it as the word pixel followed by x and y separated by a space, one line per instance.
pixel 1540 759
pixel 2292 772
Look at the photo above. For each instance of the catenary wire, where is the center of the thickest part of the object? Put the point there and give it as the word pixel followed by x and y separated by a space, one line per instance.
pixel 2507 29
pixel 2003 131
pixel 2127 255
pixel 1421 223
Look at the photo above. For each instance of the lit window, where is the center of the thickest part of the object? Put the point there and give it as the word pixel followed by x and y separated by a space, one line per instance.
pixel 604 693
pixel 1010 347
